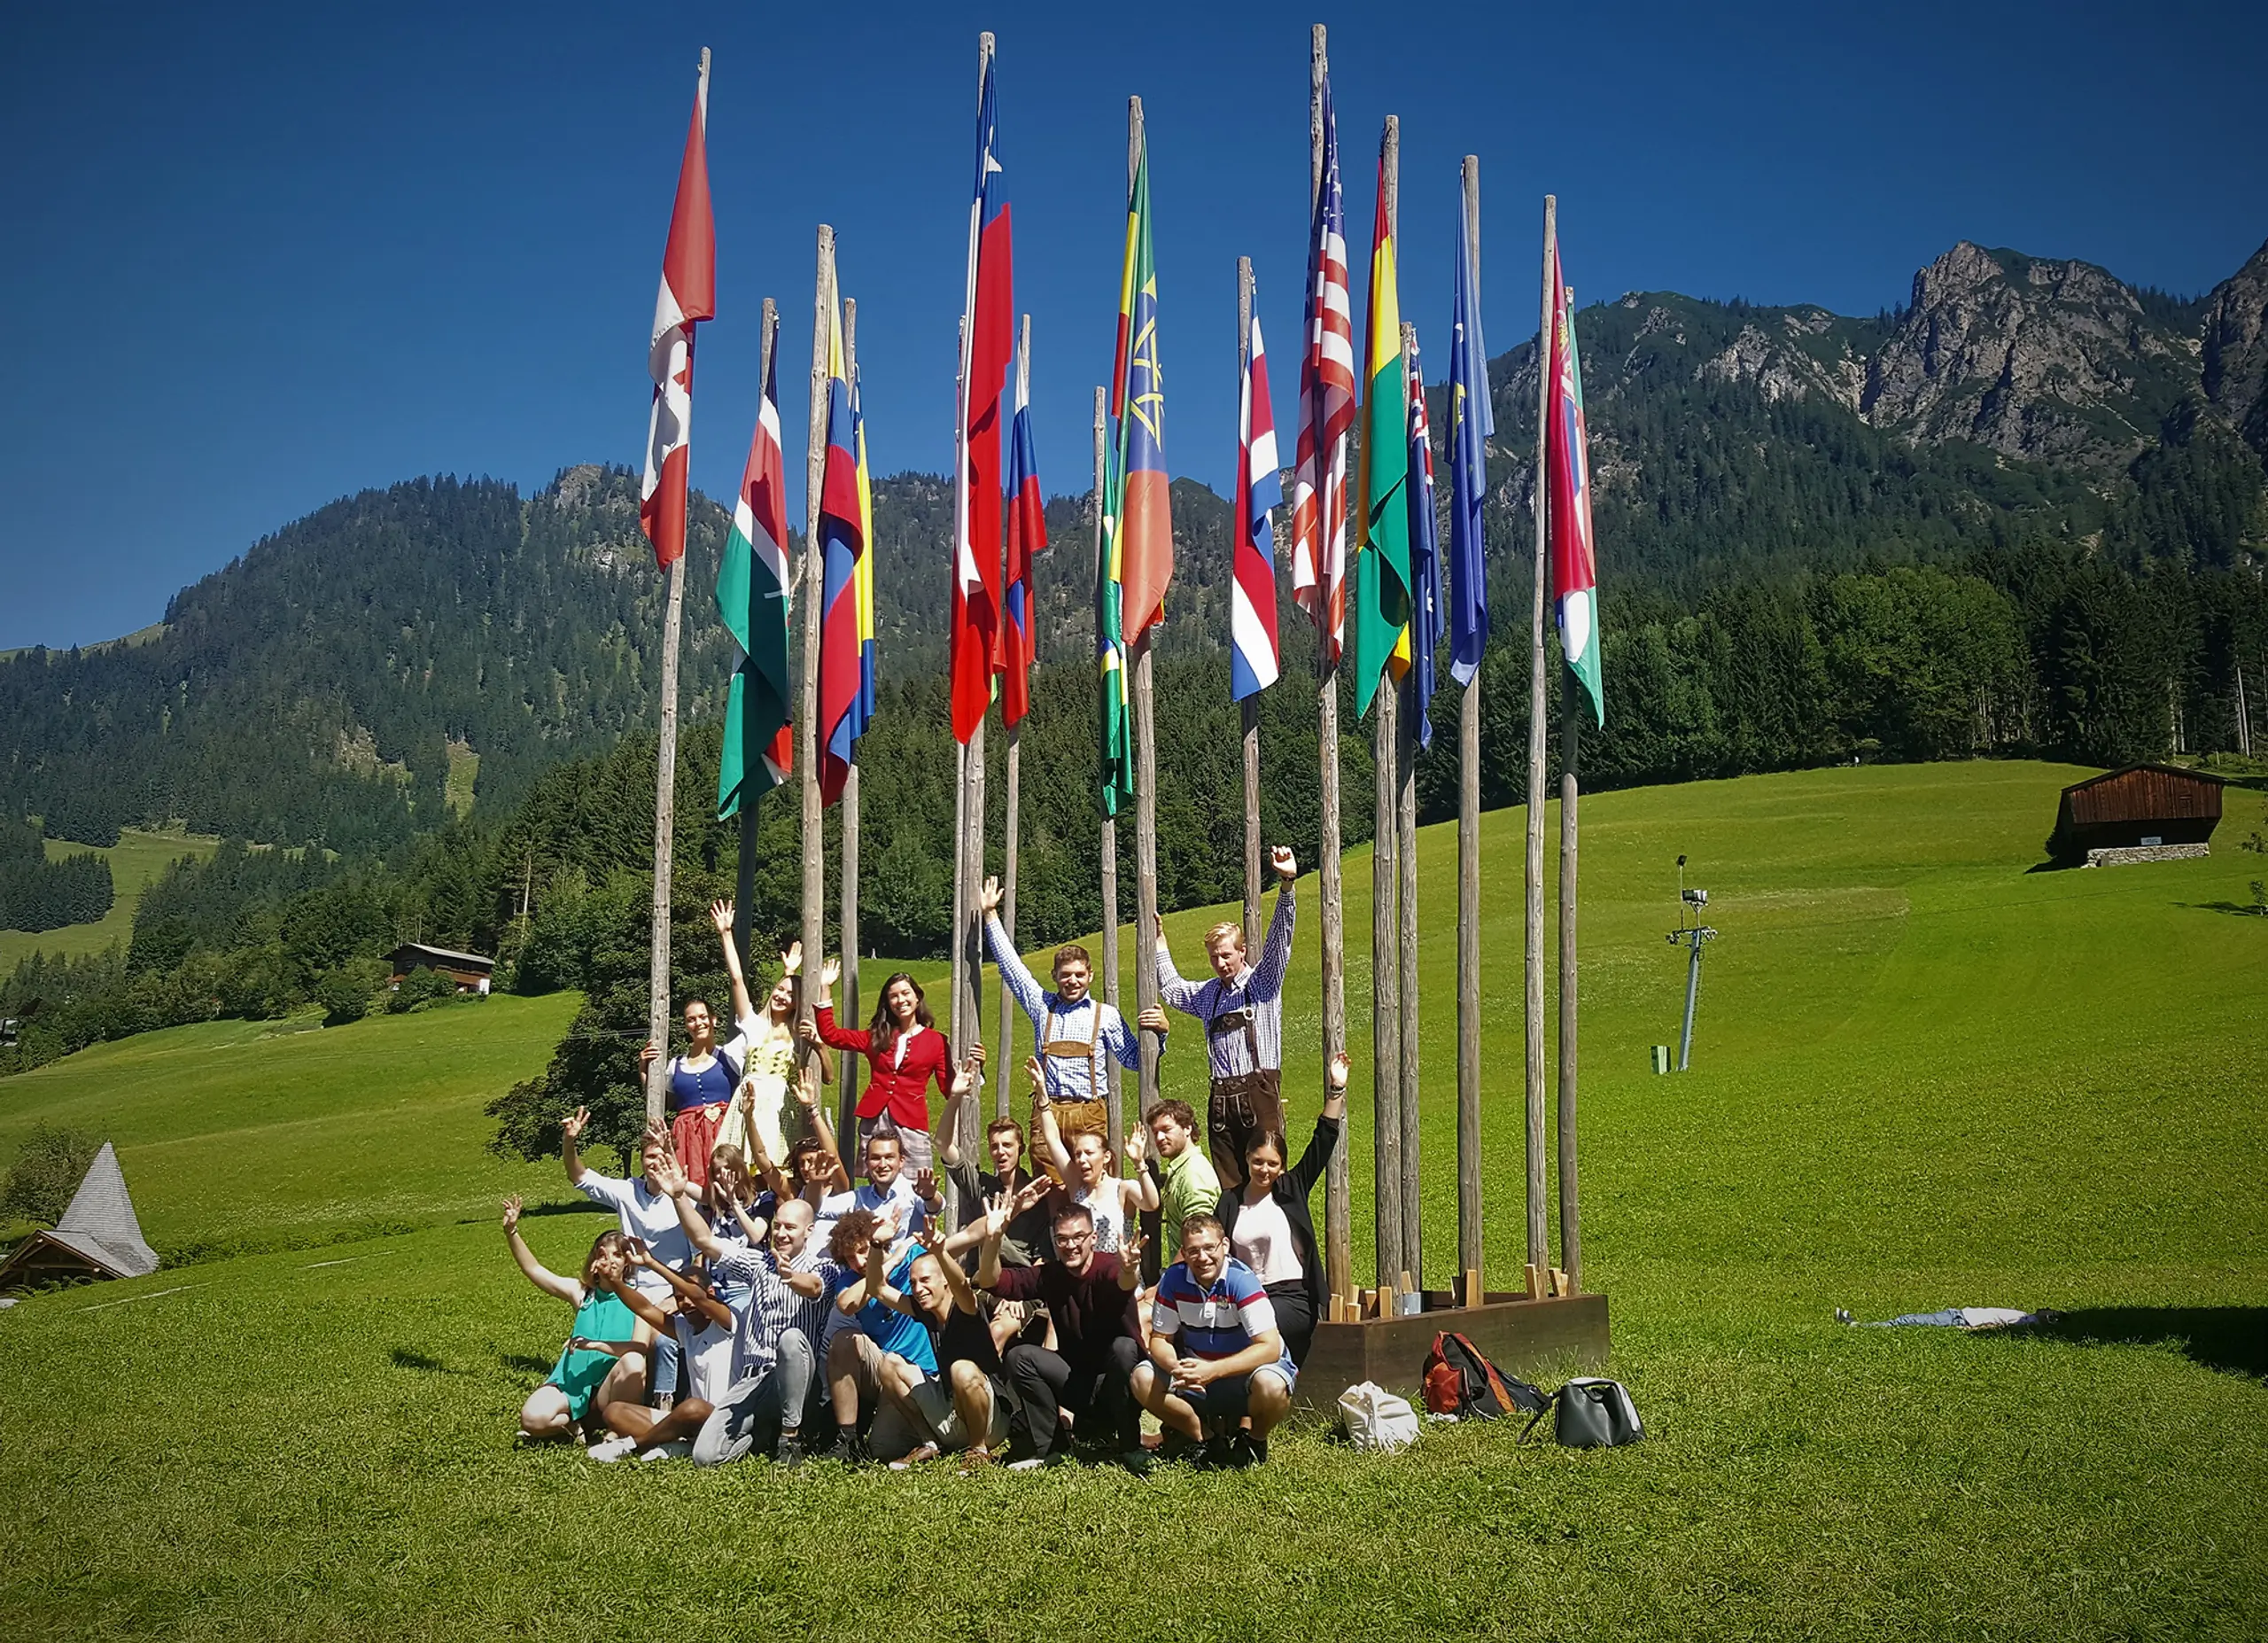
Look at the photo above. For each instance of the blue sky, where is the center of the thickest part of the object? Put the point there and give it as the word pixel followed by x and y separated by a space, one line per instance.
pixel 259 258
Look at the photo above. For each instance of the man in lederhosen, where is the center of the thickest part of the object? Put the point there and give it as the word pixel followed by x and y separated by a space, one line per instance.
pixel 1242 1008
pixel 1075 1030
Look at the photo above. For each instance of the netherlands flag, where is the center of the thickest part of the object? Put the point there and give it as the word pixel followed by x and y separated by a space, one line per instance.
pixel 1253 661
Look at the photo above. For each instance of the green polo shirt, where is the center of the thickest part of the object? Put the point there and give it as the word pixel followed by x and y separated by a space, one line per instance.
pixel 1187 1186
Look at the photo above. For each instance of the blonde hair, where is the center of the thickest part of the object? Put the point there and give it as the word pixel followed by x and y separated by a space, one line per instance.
pixel 1227 930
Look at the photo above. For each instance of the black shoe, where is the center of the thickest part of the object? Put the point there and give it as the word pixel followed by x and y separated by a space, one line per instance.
pixel 1136 1461
pixel 789 1454
pixel 852 1451
pixel 1259 1448
pixel 1239 1452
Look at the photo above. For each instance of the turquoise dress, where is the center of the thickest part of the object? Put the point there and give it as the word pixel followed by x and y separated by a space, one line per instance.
pixel 601 1317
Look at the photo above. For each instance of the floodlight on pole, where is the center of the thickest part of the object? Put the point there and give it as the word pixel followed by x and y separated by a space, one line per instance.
pixel 1689 934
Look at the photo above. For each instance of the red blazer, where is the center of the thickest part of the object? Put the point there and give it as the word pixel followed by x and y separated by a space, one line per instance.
pixel 900 1090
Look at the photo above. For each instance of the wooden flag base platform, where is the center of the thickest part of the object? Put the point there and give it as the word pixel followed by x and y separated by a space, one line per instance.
pixel 1522 1336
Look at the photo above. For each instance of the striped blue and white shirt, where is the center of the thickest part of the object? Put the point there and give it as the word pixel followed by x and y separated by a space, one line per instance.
pixel 1213 1321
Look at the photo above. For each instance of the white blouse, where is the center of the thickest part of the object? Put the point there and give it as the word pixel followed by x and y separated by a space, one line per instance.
pixel 1262 1240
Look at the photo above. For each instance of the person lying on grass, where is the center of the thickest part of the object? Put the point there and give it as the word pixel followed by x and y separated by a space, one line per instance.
pixel 874 1368
pixel 602 1361
pixel 706 1329
pixel 644 1212
pixel 789 1283
pixel 968 1410
pixel 1079 1383
pixel 1268 1227
pixel 1115 1204
pixel 1216 1357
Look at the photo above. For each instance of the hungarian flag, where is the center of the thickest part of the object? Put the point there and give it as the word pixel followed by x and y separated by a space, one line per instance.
pixel 753 597
pixel 1027 538
pixel 843 699
pixel 1423 637
pixel 1575 562
pixel 1325 412
pixel 689 295
pixel 1254 660
pixel 1138 399
pixel 1471 423
pixel 987 344
pixel 1381 567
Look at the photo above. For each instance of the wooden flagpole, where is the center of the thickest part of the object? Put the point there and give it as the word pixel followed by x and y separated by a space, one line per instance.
pixel 1385 955
pixel 1002 1080
pixel 1571 1243
pixel 1339 1255
pixel 1110 852
pixel 752 746
pixel 968 939
pixel 657 967
pixel 1471 1245
pixel 1405 802
pixel 846 1098
pixel 1248 710
pixel 1539 1240
pixel 1145 775
pixel 814 839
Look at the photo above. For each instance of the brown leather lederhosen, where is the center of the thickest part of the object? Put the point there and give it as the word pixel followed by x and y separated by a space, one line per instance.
pixel 1078 1118
pixel 1242 1105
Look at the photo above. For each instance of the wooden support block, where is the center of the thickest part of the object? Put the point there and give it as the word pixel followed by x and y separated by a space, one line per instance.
pixel 1559 1285
pixel 1533 1275
pixel 1473 1292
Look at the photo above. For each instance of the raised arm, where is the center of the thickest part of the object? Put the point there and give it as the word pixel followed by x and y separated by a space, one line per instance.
pixel 570 1133
pixel 1304 1174
pixel 1276 951
pixel 1013 976
pixel 877 1284
pixel 710 1306
pixel 541 1276
pixel 672 1179
pixel 1047 1135
pixel 1172 990
pixel 721 915
pixel 993 1224
pixel 807 1098
pixel 957 1280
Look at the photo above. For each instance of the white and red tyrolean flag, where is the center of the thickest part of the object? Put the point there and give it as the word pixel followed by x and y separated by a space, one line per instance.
pixel 689 295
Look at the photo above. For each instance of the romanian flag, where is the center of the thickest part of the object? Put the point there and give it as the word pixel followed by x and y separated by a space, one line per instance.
pixel 1575 560
pixel 1027 538
pixel 753 598
pixel 988 343
pixel 1138 399
pixel 843 694
pixel 689 295
pixel 1381 567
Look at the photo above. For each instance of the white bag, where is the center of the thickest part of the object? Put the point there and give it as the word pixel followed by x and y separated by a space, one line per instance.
pixel 1376 1419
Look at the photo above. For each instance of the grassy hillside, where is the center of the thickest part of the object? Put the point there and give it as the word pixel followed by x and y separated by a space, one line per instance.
pixel 138 857
pixel 1924 1078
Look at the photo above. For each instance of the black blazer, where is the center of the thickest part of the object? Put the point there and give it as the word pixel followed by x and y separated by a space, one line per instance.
pixel 1290 1191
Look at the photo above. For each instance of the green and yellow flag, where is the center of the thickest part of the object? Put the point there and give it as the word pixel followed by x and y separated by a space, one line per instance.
pixel 1381 566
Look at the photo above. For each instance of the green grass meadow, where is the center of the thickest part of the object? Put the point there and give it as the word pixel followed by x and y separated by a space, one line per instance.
pixel 1924 1078
pixel 138 857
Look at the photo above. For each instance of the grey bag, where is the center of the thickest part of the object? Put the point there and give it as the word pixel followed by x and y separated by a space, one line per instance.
pixel 1591 1414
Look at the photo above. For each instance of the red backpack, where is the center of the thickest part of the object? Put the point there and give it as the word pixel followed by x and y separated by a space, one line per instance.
pixel 1460 1381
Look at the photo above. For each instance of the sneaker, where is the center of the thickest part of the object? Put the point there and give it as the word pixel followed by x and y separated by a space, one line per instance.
pixel 1259 1447
pixel 613 1449
pixel 1177 1445
pixel 1237 1452
pixel 852 1451
pixel 790 1453
pixel 1842 1315
pixel 1030 1463
pixel 677 1450
pixel 1136 1461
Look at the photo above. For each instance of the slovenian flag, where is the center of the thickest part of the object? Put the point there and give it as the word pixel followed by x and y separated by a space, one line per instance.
pixel 1574 561
pixel 753 580
pixel 1254 660
pixel 689 295
pixel 1026 539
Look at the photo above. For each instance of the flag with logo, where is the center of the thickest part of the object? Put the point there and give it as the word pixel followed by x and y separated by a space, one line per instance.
pixel 842 696
pixel 1574 561
pixel 1380 571
pixel 753 597
pixel 1471 423
pixel 1254 659
pixel 1144 511
pixel 688 296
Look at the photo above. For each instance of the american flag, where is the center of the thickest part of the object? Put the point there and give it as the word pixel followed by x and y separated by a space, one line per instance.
pixel 1326 412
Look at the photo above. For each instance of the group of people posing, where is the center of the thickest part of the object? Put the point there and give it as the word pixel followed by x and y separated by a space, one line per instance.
pixel 754 1298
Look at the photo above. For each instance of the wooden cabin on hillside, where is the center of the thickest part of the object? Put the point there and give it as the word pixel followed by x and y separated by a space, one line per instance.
pixel 2143 813
pixel 472 971
pixel 99 1235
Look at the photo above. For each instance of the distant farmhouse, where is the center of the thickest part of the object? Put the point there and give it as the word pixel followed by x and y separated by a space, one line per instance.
pixel 470 970
pixel 99 1236
pixel 2143 813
